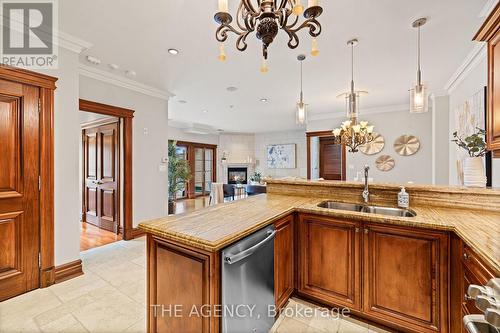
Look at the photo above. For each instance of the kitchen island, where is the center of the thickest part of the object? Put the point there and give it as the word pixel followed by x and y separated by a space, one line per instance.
pixel 407 273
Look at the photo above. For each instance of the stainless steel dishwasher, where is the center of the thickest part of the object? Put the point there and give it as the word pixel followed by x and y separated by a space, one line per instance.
pixel 248 284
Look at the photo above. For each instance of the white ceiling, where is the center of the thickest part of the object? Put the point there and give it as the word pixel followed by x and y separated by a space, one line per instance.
pixel 137 34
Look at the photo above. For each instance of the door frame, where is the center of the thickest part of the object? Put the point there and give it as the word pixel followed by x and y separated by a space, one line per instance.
pixel 47 86
pixel 118 169
pixel 126 117
pixel 323 134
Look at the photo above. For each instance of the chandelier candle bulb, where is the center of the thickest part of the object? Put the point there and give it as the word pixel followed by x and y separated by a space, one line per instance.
pixel 223 6
pixel 263 68
pixel 314 49
pixel 298 9
pixel 312 3
pixel 222 53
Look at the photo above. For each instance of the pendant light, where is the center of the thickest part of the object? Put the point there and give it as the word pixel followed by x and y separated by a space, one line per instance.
pixel 301 115
pixel 353 133
pixel 418 94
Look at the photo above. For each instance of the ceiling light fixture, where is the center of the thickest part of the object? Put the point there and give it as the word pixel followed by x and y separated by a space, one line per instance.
pixel 205 111
pixel 130 73
pixel 173 51
pixel 182 101
pixel 264 100
pixel 113 66
pixel 301 114
pixel 266 18
pixel 352 133
pixel 231 89
pixel 418 94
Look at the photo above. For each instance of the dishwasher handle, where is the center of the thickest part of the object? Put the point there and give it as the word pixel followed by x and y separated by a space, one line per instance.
pixel 251 250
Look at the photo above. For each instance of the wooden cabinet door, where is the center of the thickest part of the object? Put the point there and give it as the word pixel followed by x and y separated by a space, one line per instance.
pixel 101 176
pixel 329 260
pixel 284 260
pixel 493 135
pixel 19 189
pixel 405 277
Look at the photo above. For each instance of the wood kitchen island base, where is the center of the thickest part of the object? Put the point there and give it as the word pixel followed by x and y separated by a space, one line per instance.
pixel 408 274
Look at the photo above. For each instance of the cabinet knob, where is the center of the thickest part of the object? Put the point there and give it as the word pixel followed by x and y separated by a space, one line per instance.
pixel 366 231
pixel 466 256
pixel 356 230
pixel 467 298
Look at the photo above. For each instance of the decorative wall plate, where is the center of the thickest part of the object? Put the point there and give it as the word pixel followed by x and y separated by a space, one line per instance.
pixel 373 147
pixel 385 163
pixel 407 145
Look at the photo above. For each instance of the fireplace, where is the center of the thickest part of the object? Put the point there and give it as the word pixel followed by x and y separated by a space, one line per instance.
pixel 237 175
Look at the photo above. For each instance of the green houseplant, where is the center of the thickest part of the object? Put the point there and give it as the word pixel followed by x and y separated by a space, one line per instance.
pixel 179 173
pixel 473 166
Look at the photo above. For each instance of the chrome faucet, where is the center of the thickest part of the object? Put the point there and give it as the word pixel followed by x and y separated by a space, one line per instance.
pixel 366 192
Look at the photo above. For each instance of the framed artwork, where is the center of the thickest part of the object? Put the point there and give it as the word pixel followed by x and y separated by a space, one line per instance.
pixel 281 156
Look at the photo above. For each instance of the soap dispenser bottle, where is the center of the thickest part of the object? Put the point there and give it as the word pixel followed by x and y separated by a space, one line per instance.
pixel 403 198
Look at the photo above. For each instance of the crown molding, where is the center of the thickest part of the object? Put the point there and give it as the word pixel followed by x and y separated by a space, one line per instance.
pixel 366 112
pixel 487 8
pixel 475 56
pixel 71 42
pixel 123 82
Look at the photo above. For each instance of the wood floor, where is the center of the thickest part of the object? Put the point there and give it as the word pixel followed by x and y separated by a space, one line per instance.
pixel 92 236
pixel 190 205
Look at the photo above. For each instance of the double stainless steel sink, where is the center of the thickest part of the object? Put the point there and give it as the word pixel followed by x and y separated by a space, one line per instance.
pixel 390 211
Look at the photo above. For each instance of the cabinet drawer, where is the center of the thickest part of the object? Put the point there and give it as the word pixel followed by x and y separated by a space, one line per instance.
pixel 478 270
pixel 469 305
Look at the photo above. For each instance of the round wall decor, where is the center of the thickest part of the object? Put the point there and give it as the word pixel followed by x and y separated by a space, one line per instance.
pixel 407 145
pixel 385 163
pixel 373 147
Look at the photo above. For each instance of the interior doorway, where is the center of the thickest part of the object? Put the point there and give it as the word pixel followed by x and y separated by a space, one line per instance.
pixel 100 176
pixel 105 174
pixel 325 159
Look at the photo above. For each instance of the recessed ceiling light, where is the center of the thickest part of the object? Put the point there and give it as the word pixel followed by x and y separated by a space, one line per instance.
pixel 205 111
pixel 173 51
pixel 182 101
pixel 130 73
pixel 113 66
pixel 264 100
pixel 232 89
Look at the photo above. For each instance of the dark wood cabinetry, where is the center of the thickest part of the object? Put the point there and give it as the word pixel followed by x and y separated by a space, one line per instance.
pixel 329 260
pixel 405 277
pixel 284 265
pixel 490 33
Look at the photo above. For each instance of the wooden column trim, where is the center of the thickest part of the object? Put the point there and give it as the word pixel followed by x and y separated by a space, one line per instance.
pixel 47 272
pixel 127 116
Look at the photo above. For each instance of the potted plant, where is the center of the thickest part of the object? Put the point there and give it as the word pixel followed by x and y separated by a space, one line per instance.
pixel 178 174
pixel 473 165
pixel 256 178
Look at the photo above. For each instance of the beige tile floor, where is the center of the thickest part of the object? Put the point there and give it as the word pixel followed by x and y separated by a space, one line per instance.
pixel 111 297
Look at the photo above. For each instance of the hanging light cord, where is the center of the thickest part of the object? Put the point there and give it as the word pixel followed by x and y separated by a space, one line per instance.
pixel 301 93
pixel 419 73
pixel 352 67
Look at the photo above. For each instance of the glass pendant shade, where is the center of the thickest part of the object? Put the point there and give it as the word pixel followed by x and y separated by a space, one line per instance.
pixel 419 101
pixel 301 115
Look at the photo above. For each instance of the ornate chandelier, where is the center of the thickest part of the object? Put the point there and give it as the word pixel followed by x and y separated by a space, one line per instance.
pixel 352 133
pixel 266 17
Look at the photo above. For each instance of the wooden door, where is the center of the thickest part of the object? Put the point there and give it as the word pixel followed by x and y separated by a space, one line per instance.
pixel 19 189
pixel 329 261
pixel 331 160
pixel 405 277
pixel 101 156
pixel 284 268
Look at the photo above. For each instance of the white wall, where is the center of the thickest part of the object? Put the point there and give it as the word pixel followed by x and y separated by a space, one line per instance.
pixel 179 135
pixel 391 125
pixel 441 113
pixel 262 140
pixel 475 81
pixel 66 143
pixel 150 144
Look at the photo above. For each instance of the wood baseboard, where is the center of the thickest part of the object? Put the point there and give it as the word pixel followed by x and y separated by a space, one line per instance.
pixel 68 271
pixel 136 233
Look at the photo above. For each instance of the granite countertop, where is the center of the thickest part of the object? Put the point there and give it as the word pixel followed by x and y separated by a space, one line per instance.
pixel 215 227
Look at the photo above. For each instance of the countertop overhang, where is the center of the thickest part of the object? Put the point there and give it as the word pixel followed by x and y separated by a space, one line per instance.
pixel 216 227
